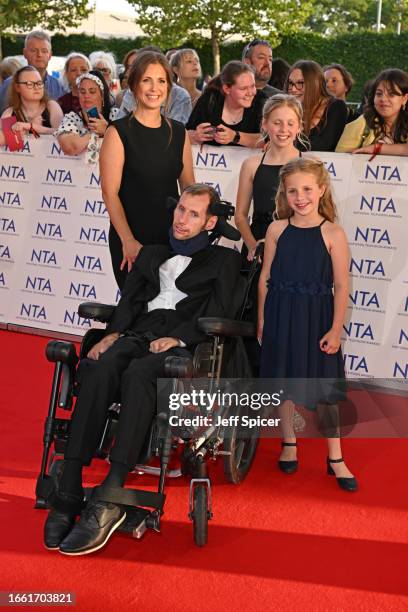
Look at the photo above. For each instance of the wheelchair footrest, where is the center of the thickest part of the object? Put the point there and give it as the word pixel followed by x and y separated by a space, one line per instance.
pixel 135 522
pixel 129 497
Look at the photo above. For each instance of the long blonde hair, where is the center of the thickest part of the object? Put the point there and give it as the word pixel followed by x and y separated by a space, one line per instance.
pixel 277 101
pixel 308 165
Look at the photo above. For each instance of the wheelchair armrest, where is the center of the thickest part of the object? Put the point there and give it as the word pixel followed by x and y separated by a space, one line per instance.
pixel 57 350
pixel 178 367
pixel 96 311
pixel 214 326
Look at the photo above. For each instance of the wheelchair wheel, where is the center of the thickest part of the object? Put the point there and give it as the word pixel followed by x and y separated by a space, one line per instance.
pixel 242 451
pixel 200 515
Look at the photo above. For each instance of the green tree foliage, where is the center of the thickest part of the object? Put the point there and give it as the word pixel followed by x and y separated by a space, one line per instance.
pixel 51 14
pixel 169 22
pixel 345 16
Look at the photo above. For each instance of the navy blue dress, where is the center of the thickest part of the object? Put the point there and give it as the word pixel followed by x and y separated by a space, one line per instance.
pixel 298 312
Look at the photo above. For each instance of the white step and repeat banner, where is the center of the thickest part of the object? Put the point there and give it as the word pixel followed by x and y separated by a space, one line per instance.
pixel 54 253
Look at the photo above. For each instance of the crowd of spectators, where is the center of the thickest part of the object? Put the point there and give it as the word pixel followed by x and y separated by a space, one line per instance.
pixel 225 110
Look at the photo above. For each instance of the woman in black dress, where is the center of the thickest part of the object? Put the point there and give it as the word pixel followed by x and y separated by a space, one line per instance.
pixel 324 117
pixel 143 157
pixel 229 112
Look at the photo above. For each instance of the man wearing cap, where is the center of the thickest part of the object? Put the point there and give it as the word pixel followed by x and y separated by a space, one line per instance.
pixel 258 53
pixel 37 51
pixel 165 293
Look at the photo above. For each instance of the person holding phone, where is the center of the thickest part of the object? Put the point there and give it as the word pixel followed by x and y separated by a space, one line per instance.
pixel 80 132
pixel 230 110
pixel 29 107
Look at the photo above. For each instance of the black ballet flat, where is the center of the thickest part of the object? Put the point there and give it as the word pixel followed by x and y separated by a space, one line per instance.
pixel 347 484
pixel 289 467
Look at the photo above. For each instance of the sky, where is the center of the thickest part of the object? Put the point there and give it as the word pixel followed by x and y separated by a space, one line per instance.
pixel 120 6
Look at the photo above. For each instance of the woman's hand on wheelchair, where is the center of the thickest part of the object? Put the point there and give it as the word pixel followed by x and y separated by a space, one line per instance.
pixel 163 344
pixel 102 346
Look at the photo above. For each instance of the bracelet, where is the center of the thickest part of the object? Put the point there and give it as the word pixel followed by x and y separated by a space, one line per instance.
pixel 376 150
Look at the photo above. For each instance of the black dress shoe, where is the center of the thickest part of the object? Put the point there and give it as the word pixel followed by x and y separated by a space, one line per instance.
pixel 289 467
pixel 56 528
pixel 347 484
pixel 97 523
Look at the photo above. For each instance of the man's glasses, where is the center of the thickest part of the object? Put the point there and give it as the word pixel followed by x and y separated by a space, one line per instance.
pixel 254 43
pixel 296 85
pixel 32 84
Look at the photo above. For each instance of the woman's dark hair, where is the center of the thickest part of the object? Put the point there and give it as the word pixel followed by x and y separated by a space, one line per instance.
pixel 139 67
pixel 229 74
pixel 14 97
pixel 315 91
pixel 107 101
pixel 280 71
pixel 396 82
pixel 347 78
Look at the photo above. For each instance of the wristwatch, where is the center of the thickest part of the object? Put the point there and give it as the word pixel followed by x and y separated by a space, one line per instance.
pixel 236 138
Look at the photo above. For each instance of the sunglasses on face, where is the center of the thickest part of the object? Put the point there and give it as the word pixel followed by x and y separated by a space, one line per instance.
pixel 254 43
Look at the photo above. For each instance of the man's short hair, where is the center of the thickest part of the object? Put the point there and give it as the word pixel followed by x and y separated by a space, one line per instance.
pixel 40 34
pixel 248 49
pixel 200 189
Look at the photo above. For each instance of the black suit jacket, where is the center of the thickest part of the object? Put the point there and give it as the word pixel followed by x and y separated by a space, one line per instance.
pixel 209 281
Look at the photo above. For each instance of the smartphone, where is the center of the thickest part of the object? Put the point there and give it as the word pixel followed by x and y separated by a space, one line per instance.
pixel 93 113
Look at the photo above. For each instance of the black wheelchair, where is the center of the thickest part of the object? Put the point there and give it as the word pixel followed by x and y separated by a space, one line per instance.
pixel 221 355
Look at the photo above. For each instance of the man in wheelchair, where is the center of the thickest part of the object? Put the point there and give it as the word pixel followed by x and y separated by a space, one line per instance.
pixel 165 293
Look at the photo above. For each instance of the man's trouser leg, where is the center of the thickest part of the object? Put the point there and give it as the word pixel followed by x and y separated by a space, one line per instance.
pixel 100 383
pixel 138 405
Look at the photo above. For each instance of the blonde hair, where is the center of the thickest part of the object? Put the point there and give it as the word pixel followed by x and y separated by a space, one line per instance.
pixel 308 165
pixel 277 101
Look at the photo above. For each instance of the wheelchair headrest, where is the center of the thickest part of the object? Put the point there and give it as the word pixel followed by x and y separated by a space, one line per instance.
pixel 223 210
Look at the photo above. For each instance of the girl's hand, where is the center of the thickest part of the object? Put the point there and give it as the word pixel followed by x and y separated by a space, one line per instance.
pixel 224 135
pixel 260 331
pixel 330 343
pixel 21 126
pixel 204 132
pixel 99 126
pixel 131 250
pixel 369 149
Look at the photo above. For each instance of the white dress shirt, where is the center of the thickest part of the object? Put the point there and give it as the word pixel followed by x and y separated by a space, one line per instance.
pixel 169 295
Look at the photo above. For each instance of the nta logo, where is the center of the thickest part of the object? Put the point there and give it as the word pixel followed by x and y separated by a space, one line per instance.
pixel 12 172
pixel 7 225
pixel 82 290
pixel 49 230
pixel 9 198
pixel 367 299
pixel 374 235
pixel 42 256
pixel 382 173
pixel 370 267
pixel 88 262
pixel 38 283
pixel 379 204
pixel 33 311
pixel 58 175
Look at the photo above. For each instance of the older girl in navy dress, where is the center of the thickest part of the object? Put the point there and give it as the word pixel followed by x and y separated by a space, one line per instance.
pixel 299 319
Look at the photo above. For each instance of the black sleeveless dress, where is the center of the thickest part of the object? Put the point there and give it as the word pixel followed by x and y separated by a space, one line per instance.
pixel 298 312
pixel 153 163
pixel 265 187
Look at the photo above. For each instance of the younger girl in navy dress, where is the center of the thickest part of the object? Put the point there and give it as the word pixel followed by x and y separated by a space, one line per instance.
pixel 299 319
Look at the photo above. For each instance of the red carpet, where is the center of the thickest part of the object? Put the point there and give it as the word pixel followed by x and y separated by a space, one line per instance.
pixel 276 542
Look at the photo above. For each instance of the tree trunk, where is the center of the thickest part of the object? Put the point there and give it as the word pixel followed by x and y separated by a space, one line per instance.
pixel 215 46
